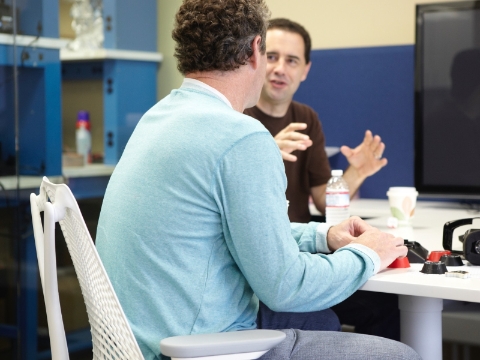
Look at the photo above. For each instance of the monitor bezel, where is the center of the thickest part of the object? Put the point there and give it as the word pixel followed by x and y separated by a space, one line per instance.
pixel 427 190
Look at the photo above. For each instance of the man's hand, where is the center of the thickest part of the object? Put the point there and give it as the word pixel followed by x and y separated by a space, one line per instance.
pixel 366 159
pixel 356 231
pixel 387 246
pixel 289 140
pixel 346 232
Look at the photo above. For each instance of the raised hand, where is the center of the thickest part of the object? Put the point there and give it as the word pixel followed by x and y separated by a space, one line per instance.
pixel 366 159
pixel 289 140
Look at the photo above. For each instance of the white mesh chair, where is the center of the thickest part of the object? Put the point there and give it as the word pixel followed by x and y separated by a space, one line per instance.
pixel 111 334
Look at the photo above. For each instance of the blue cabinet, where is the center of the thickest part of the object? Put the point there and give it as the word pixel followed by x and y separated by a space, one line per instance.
pixel 126 67
pixel 126 70
pixel 128 82
pixel 130 25
pixel 39 111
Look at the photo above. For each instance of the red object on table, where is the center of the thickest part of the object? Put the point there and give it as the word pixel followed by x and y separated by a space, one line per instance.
pixel 436 255
pixel 400 263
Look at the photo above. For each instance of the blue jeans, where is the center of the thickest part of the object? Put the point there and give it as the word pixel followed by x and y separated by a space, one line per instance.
pixel 371 313
pixel 313 345
pixel 325 320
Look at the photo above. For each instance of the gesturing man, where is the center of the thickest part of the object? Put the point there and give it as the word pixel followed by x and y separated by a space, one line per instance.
pixel 298 133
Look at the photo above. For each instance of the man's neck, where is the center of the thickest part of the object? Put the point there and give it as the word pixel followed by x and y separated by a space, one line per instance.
pixel 228 83
pixel 273 109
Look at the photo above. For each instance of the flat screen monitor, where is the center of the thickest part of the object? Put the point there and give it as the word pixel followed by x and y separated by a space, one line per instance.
pixel 447 100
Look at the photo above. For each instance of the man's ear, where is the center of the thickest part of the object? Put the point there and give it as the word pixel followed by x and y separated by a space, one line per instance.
pixel 307 69
pixel 254 60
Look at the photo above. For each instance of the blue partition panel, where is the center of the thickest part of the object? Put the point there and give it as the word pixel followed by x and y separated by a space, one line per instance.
pixel 366 88
pixel 37 17
pixel 130 26
pixel 40 128
pixel 129 91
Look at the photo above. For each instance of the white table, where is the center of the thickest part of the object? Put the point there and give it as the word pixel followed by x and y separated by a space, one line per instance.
pixel 420 295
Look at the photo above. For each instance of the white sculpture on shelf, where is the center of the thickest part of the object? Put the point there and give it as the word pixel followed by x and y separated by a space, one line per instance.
pixel 87 22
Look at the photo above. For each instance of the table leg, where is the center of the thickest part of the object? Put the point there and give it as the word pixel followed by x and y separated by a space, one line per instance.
pixel 421 325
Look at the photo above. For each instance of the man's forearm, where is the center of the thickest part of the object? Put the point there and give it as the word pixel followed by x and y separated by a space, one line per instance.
pixel 319 197
pixel 353 179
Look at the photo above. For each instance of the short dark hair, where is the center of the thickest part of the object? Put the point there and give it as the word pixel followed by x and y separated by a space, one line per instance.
pixel 217 35
pixel 296 28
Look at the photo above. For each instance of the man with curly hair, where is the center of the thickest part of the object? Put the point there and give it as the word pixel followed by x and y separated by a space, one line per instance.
pixel 194 227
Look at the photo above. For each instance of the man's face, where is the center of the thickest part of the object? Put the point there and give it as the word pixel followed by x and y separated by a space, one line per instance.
pixel 286 67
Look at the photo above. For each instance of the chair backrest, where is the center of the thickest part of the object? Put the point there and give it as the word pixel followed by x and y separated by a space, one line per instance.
pixel 111 334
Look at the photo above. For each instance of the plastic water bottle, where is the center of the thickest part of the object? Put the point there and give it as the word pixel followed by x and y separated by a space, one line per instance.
pixel 83 136
pixel 338 199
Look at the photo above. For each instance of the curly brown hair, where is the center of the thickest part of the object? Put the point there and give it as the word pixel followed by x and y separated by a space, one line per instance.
pixel 218 34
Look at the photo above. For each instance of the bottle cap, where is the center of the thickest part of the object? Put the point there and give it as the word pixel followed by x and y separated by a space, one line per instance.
pixel 337 172
pixel 83 119
pixel 83 115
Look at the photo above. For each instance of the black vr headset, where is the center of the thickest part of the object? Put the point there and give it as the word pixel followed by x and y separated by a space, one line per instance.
pixel 470 240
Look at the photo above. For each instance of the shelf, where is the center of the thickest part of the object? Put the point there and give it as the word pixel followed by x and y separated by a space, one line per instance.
pixel 109 54
pixel 33 182
pixel 33 41
pixel 87 171
pixel 26 182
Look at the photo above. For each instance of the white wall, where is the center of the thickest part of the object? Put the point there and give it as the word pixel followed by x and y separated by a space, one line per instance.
pixel 332 24
pixel 353 23
pixel 168 77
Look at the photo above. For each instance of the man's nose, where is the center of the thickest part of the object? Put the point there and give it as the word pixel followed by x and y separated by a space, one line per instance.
pixel 279 67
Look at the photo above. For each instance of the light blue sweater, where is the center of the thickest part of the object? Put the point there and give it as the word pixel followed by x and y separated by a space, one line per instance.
pixel 194 226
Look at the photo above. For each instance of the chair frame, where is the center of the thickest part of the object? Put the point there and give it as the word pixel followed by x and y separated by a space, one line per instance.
pixel 112 336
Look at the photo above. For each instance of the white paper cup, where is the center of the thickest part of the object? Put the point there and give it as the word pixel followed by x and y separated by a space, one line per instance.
pixel 402 201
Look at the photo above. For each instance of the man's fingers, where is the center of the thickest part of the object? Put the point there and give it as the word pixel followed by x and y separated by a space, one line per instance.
pixel 368 137
pixel 378 151
pixel 288 157
pixel 359 226
pixel 399 241
pixel 375 144
pixel 291 129
pixel 297 136
pixel 403 251
pixel 296 126
pixel 291 135
pixel 290 145
pixel 288 140
pixel 346 151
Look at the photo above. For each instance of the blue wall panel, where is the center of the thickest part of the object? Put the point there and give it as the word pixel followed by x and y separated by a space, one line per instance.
pixel 366 88
pixel 131 93
pixel 129 25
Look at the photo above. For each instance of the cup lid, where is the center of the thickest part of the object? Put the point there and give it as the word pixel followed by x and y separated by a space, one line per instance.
pixel 402 190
